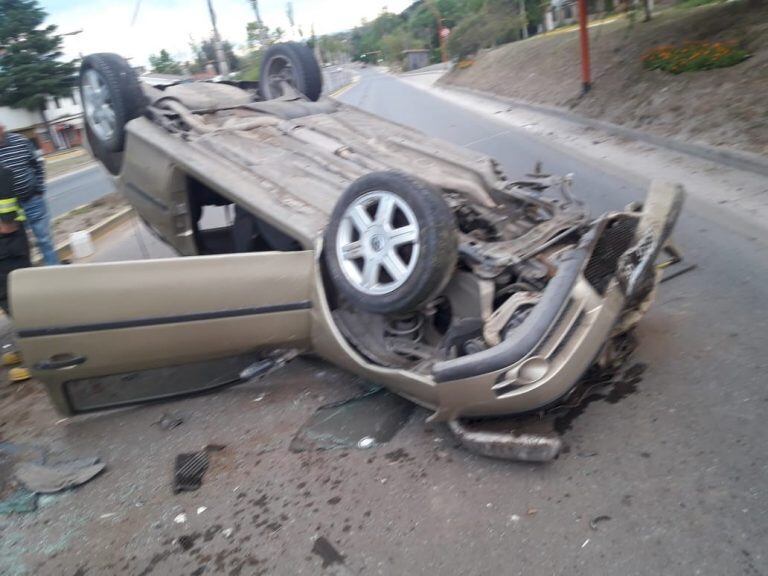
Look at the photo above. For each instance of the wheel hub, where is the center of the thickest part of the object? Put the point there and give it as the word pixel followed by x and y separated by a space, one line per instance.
pixel 377 243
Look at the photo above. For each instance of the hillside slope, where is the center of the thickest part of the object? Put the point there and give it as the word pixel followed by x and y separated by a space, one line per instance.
pixel 723 107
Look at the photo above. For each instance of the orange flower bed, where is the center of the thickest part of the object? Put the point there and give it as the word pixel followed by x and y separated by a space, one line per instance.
pixel 691 56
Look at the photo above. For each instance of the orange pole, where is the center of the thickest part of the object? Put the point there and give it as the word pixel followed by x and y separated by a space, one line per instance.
pixel 586 76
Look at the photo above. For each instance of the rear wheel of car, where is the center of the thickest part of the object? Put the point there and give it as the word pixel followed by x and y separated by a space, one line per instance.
pixel 290 63
pixel 111 97
pixel 391 244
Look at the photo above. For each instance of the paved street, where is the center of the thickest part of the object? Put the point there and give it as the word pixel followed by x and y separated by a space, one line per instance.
pixel 672 479
pixel 73 190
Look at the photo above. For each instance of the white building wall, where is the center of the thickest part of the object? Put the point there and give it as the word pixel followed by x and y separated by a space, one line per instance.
pixel 19 119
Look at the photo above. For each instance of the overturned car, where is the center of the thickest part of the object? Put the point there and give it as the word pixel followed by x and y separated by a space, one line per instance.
pixel 307 225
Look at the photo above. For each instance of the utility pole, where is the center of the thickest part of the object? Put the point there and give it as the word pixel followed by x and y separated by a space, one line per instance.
pixel 256 11
pixel 586 74
pixel 220 56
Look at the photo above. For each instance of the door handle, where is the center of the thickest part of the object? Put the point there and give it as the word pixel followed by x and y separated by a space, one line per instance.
pixel 60 361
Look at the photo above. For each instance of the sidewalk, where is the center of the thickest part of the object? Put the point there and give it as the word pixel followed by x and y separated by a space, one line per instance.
pixel 745 193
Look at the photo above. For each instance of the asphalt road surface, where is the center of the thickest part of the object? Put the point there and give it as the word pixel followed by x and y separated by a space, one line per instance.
pixel 73 190
pixel 671 478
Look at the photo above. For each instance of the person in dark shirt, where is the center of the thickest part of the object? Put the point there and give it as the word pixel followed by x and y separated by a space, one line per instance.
pixel 14 246
pixel 19 156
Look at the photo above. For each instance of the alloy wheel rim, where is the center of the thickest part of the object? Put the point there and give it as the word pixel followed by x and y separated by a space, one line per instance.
pixel 377 243
pixel 97 101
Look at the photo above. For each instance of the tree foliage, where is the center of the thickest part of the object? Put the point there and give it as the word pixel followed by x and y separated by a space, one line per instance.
pixel 30 66
pixel 205 53
pixel 163 63
pixel 474 24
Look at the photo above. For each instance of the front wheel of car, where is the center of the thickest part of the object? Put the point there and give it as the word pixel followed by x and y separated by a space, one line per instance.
pixel 391 244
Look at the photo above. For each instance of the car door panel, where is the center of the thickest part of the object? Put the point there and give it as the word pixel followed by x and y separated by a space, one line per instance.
pixel 79 323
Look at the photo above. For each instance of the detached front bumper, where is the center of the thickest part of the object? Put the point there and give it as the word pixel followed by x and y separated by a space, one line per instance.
pixel 548 353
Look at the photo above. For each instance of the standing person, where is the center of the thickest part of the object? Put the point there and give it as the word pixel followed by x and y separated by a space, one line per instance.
pixel 14 246
pixel 14 254
pixel 19 155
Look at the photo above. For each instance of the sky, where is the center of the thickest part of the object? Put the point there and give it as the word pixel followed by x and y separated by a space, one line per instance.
pixel 109 25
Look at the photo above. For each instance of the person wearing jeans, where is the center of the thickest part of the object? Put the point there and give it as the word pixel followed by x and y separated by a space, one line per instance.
pixel 19 156
pixel 39 221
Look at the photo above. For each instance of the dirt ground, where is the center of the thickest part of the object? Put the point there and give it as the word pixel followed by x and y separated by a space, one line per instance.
pixel 86 216
pixel 724 107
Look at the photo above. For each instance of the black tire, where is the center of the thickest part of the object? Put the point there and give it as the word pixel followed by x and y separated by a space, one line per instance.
pixel 438 240
pixel 126 100
pixel 112 161
pixel 306 75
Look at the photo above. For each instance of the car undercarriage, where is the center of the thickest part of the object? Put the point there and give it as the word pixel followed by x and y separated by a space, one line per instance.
pixel 412 262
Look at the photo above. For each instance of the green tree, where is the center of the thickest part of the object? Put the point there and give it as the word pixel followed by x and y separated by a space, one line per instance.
pixel 31 69
pixel 164 64
pixel 205 52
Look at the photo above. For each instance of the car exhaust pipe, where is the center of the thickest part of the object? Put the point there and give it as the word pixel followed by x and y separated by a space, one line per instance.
pixel 521 447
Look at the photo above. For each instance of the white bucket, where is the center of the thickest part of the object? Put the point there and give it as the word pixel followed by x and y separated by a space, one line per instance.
pixel 82 244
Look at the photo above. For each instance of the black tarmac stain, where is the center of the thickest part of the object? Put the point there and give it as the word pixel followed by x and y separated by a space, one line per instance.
pixel 398 455
pixel 327 552
pixel 187 541
pixel 612 384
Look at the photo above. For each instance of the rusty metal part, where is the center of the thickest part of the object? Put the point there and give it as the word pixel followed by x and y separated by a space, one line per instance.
pixel 522 447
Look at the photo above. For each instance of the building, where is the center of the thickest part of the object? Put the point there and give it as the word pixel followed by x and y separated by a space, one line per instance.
pixel 65 116
pixel 415 59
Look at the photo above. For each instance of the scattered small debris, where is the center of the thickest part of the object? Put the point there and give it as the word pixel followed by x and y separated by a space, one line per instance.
pixel 532 511
pixel 327 552
pixel 19 501
pixel 49 478
pixel 201 509
pixel 362 422
pixel 595 521
pixel 585 542
pixel 514 518
pixel 169 421
pixel 108 515
pixel 14 497
pixel 180 519
pixel 365 442
pixel 188 475
pixel 260 397
pixel 677 273
pixel 227 532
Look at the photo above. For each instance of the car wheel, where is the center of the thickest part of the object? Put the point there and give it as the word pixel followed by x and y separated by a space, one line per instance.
pixel 111 97
pixel 391 244
pixel 294 64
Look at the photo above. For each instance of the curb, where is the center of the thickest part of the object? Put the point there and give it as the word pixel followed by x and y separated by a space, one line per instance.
pixel 97 232
pixel 339 91
pixel 739 160
pixel 80 169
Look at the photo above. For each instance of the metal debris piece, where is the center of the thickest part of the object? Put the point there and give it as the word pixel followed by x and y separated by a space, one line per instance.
pixel 169 421
pixel 595 521
pixel 522 447
pixel 50 478
pixel 190 468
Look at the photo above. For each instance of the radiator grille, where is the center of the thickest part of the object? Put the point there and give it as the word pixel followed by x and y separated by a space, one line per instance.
pixel 615 240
